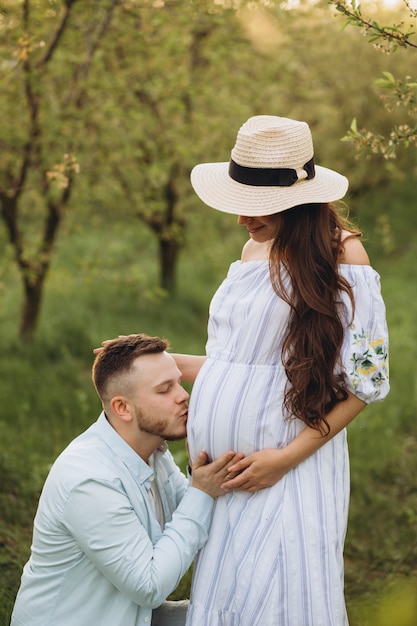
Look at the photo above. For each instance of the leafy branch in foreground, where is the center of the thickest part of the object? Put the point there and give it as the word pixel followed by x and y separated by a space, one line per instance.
pixel 388 39
pixel 367 141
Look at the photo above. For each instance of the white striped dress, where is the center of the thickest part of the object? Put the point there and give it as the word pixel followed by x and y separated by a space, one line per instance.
pixel 275 557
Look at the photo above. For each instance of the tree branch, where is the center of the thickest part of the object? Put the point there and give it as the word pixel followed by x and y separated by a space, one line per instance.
pixel 56 36
pixel 388 34
pixel 83 69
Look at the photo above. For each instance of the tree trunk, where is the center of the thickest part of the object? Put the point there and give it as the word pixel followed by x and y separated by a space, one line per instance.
pixel 31 307
pixel 168 259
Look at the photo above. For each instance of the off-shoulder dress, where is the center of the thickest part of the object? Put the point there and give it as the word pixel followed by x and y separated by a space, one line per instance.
pixel 275 557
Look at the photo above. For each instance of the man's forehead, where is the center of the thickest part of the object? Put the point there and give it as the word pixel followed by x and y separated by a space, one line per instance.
pixel 156 368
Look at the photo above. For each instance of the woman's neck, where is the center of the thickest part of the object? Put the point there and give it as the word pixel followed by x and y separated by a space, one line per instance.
pixel 254 251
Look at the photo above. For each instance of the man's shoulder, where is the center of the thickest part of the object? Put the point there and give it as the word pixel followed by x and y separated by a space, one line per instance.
pixel 86 457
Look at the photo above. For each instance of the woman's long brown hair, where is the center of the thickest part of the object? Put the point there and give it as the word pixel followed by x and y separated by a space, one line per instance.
pixel 308 245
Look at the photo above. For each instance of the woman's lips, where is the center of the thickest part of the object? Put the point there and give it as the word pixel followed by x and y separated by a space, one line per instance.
pixel 254 230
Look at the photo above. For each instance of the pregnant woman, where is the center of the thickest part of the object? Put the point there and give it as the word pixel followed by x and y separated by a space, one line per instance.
pixel 297 346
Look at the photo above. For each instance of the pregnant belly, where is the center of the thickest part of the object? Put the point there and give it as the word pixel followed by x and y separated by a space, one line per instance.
pixel 236 407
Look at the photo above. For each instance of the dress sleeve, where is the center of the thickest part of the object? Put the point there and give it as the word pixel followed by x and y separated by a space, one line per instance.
pixel 364 354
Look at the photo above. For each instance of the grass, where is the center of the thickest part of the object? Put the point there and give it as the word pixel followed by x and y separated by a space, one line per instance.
pixel 381 549
pixel 103 282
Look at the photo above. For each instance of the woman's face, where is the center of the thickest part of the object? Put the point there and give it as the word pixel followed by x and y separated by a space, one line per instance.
pixel 260 229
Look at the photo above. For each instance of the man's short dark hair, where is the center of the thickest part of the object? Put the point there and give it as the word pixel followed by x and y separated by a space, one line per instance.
pixel 118 355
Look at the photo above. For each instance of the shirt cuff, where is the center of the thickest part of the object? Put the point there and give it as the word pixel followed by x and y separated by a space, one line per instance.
pixel 197 504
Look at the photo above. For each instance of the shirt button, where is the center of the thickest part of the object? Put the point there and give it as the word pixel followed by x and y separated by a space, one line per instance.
pixel 147 619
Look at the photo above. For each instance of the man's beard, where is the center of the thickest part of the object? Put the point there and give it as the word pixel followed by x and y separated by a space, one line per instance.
pixel 156 426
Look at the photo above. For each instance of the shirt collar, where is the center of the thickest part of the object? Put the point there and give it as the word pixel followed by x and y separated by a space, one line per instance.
pixel 142 472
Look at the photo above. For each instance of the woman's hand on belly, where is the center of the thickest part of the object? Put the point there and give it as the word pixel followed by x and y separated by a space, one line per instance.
pixel 258 470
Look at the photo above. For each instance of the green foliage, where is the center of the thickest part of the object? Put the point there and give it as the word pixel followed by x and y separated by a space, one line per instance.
pixel 397 606
pixel 381 552
pixel 389 37
pixel 103 283
pixel 138 92
pixel 168 86
pixel 401 92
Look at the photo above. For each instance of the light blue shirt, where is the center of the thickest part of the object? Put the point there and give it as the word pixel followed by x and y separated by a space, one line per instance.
pixel 99 557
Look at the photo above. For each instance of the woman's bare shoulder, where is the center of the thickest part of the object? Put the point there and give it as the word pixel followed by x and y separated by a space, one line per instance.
pixel 352 251
pixel 246 250
pixel 254 251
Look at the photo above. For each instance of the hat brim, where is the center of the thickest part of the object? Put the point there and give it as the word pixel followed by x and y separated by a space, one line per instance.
pixel 213 185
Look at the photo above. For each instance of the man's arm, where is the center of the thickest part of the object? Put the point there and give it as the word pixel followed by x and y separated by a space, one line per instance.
pixel 103 522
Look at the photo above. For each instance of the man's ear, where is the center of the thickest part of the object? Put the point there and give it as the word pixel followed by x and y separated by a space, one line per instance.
pixel 120 407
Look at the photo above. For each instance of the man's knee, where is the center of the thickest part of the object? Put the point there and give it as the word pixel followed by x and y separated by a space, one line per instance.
pixel 170 613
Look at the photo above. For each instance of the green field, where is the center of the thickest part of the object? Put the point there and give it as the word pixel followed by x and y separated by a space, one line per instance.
pixel 103 282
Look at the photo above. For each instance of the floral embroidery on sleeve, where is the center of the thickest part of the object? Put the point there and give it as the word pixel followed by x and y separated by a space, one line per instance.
pixel 369 360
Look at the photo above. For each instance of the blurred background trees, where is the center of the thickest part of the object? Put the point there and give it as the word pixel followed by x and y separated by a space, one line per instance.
pixel 113 102
pixel 105 106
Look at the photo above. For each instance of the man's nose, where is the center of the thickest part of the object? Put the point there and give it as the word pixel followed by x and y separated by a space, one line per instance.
pixel 183 395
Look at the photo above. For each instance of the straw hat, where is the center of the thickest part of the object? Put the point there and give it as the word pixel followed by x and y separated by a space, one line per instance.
pixel 271 169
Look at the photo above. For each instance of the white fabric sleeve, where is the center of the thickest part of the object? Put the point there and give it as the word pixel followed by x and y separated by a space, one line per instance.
pixel 364 353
